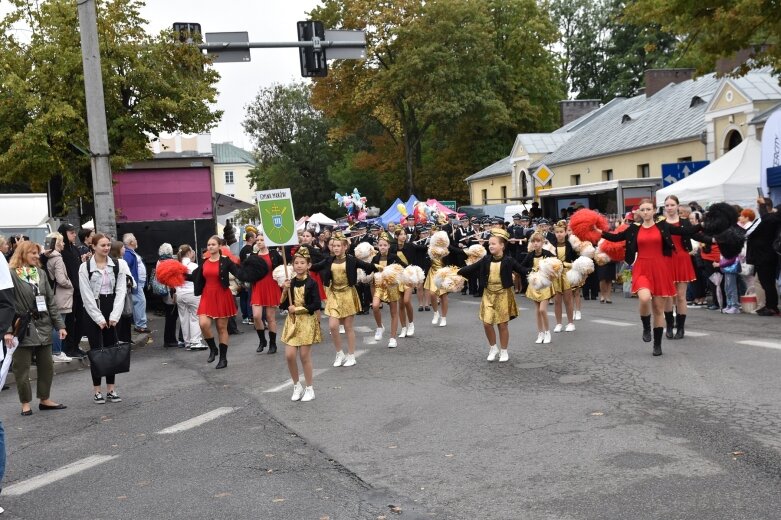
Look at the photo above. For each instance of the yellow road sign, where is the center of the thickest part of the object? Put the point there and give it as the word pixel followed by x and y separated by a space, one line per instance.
pixel 543 175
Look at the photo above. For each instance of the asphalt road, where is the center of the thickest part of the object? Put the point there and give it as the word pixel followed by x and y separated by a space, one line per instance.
pixel 589 426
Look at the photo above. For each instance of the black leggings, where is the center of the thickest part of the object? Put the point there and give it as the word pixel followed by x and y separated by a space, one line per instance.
pixel 101 337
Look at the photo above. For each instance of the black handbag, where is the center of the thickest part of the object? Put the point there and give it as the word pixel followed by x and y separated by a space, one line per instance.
pixel 110 360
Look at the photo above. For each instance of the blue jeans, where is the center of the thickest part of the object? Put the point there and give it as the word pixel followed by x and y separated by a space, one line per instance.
pixel 731 289
pixel 244 305
pixel 139 308
pixel 56 341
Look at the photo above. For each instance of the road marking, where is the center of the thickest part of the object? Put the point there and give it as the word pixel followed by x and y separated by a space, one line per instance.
pixel 755 343
pixel 363 329
pixel 197 421
pixel 694 334
pixel 31 484
pixel 317 371
pixel 613 323
pixel 471 302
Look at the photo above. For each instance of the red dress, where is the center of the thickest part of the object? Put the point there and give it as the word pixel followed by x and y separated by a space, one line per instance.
pixel 681 261
pixel 216 300
pixel 266 291
pixel 651 269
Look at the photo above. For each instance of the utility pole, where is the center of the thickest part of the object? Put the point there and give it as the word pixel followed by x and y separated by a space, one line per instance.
pixel 102 182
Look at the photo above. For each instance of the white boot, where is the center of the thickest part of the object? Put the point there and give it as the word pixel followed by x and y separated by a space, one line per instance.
pixel 435 319
pixel 494 350
pixel 546 338
pixel 392 343
pixel 410 330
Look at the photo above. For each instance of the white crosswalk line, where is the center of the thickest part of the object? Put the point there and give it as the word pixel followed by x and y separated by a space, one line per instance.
pixel 363 329
pixel 31 484
pixel 757 343
pixel 695 334
pixel 613 323
pixel 197 421
pixel 317 371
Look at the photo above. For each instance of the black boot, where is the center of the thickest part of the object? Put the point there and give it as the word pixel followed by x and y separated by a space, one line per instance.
pixel 658 331
pixel 646 328
pixel 669 320
pixel 212 349
pixel 262 338
pixel 272 342
pixel 223 362
pixel 680 322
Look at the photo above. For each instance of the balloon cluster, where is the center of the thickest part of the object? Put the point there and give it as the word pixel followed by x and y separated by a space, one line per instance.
pixel 427 213
pixel 354 203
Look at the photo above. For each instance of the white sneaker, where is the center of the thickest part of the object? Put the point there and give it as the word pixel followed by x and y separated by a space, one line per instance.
pixel 340 359
pixel 309 394
pixel 341 329
pixel 443 322
pixel 410 330
pixel 492 353
pixel 577 315
pixel 557 328
pixel 540 337
pixel 435 319
pixel 298 391
pixel 392 343
pixel 350 361
pixel 504 356
pixel 403 333
pixel 378 333
pixel 546 337
pixel 570 327
pixel 61 358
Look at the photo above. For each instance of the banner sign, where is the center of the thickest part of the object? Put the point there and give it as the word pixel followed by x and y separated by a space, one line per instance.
pixel 277 220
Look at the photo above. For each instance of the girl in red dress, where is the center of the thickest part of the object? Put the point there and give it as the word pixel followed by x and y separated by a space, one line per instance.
pixel 682 271
pixel 266 295
pixel 648 248
pixel 210 282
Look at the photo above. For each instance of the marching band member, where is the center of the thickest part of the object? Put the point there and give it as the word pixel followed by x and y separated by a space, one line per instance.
pixel 561 285
pixel 265 295
pixel 405 253
pixel 389 295
pixel 682 271
pixel 539 297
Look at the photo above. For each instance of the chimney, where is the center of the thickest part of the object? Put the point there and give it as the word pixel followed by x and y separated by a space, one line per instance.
pixel 657 79
pixel 572 109
pixel 725 66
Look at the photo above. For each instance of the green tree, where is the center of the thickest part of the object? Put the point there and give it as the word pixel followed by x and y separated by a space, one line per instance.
pixel 151 86
pixel 291 146
pixel 712 30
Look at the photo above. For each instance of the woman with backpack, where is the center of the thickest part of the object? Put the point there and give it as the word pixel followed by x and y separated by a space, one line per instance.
pixel 103 288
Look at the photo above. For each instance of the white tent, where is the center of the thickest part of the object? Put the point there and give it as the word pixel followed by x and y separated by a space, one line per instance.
pixel 733 178
pixel 319 218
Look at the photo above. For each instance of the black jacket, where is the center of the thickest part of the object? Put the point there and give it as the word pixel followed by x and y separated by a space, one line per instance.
pixel 569 252
pixel 759 244
pixel 324 268
pixel 391 259
pixel 685 224
pixel 311 294
pixel 252 270
pixel 71 257
pixel 527 266
pixel 483 269
pixel 410 253
pixel 630 235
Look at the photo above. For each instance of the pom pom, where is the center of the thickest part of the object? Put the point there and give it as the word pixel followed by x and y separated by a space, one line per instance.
pixel 438 253
pixel 171 273
pixel 365 251
pixel 363 277
pixel 575 278
pixel 601 258
pixel 551 267
pixel 279 274
pixel 448 279
pixel 474 253
pixel 587 249
pixel 538 281
pixel 731 241
pixel 615 250
pixel 439 239
pixel 574 242
pixel 389 277
pixel 413 276
pixel 547 246
pixel 719 218
pixel 583 265
pixel 583 222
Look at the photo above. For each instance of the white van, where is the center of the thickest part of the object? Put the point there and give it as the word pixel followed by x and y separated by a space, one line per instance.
pixel 25 214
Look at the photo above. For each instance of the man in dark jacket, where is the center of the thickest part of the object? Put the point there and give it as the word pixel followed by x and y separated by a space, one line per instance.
pixel 72 258
pixel 759 253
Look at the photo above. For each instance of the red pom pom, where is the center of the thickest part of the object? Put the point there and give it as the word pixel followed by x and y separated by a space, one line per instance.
pixel 615 250
pixel 170 273
pixel 583 222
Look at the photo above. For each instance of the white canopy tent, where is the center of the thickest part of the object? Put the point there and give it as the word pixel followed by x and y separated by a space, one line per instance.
pixel 733 178
pixel 319 218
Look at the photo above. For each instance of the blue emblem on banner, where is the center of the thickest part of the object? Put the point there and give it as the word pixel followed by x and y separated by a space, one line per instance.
pixel 277 219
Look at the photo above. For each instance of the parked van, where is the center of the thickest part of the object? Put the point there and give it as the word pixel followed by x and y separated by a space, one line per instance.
pixel 25 214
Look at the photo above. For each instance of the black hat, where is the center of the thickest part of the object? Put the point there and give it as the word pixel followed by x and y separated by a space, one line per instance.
pixel 524 217
pixel 375 227
pixel 67 226
pixel 361 225
pixel 543 221
pixel 516 216
pixel 409 217
pixel 497 220
pixel 464 218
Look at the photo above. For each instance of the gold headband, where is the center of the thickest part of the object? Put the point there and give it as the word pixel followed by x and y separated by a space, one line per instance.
pixel 501 233
pixel 303 252
pixel 384 236
pixel 338 235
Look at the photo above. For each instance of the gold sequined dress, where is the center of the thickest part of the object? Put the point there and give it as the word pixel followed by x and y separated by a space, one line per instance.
pixel 535 295
pixel 561 284
pixel 342 299
pixel 498 303
pixel 302 328
pixel 436 265
pixel 386 294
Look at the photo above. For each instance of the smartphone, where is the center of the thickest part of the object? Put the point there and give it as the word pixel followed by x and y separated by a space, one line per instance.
pixel 759 192
pixel 51 243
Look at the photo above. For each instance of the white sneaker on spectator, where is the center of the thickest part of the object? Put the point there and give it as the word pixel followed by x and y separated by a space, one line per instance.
pixel 61 358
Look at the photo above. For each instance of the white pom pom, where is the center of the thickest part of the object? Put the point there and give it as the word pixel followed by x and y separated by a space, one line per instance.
pixel 389 277
pixel 413 276
pixel 439 239
pixel 583 265
pixel 474 253
pixel 538 281
pixel 364 251
pixel 587 249
pixel 695 246
pixel 601 258
pixel 575 278
pixel 363 277
pixel 279 274
pixel 575 242
pixel 448 279
pixel 437 253
pixel 551 267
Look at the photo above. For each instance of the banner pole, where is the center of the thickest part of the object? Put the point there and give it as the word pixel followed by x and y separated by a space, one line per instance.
pixel 289 289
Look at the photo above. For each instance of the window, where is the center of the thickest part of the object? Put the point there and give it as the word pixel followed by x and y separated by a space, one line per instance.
pixel 231 195
pixel 484 194
pixel 643 171
pixel 228 177
pixel 684 159
pixel 503 191
pixel 574 180
pixel 607 175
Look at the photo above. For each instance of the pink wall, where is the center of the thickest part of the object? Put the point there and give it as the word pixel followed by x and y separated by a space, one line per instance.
pixel 163 194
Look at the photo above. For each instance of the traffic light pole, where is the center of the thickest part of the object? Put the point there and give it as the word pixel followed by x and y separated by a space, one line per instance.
pixel 102 182
pixel 214 47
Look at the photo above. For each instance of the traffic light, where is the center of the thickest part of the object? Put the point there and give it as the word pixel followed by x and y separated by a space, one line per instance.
pixel 187 32
pixel 313 62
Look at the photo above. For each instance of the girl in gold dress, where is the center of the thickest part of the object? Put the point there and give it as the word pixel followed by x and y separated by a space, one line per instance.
pixel 498 307
pixel 564 292
pixel 390 295
pixel 540 297
pixel 340 274
pixel 302 326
